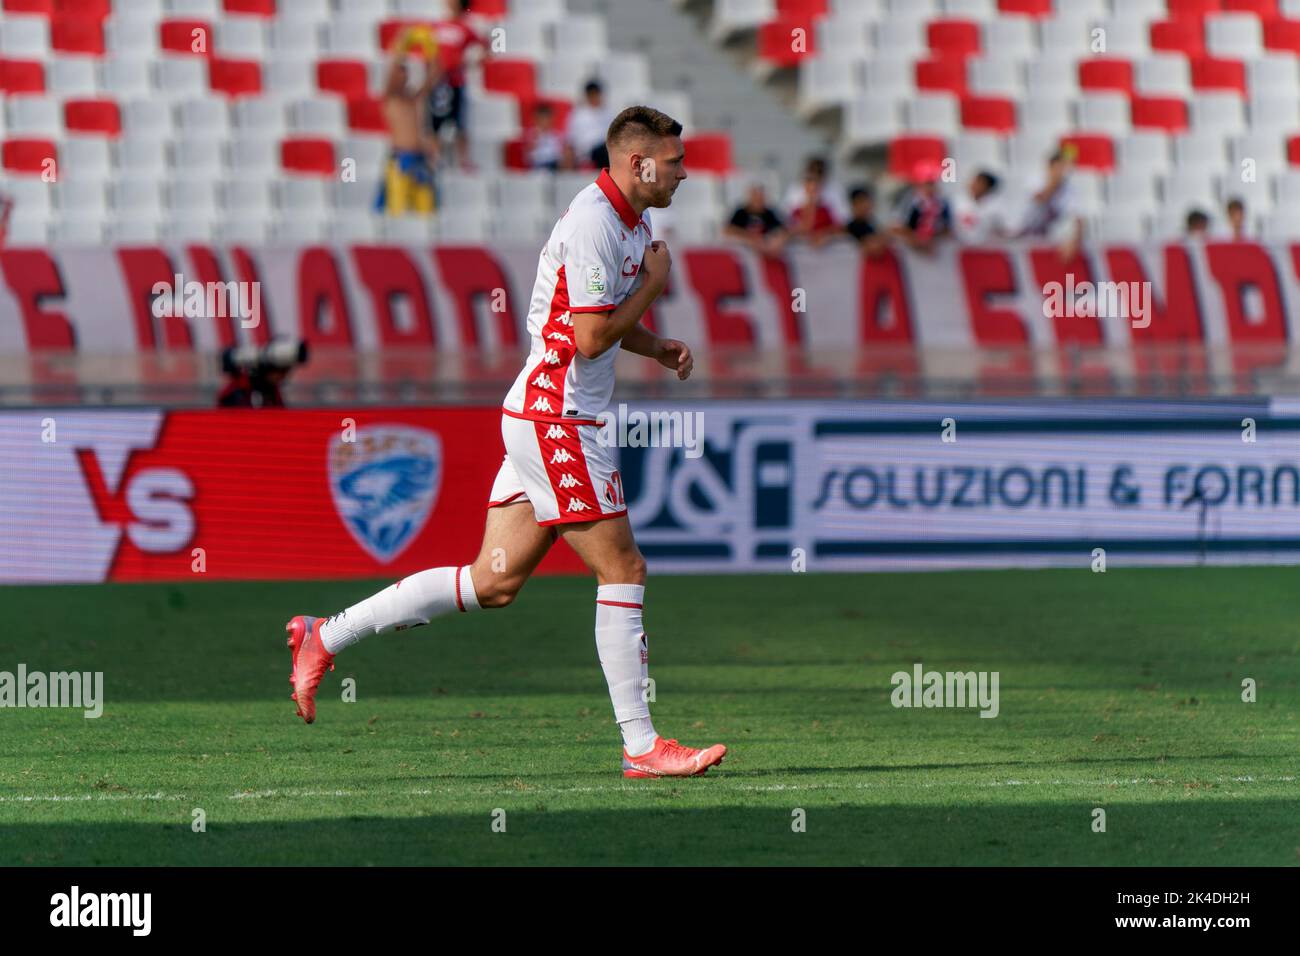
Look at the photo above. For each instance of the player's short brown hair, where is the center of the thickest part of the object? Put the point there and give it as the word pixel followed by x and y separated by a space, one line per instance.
pixel 638 124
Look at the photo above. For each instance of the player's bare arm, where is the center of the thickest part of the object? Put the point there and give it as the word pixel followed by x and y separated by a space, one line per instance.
pixel 672 354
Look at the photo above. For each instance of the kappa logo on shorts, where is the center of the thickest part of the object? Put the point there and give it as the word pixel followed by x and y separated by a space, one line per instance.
pixel 556 431
pixel 577 504
pixel 568 481
pixel 384 485
pixel 561 456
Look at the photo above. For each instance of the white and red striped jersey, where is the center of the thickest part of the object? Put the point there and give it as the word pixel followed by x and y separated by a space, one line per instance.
pixel 589 264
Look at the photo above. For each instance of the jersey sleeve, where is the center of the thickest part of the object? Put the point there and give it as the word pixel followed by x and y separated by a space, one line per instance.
pixel 590 268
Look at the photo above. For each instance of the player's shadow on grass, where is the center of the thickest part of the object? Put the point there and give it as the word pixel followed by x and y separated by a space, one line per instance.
pixel 1179 832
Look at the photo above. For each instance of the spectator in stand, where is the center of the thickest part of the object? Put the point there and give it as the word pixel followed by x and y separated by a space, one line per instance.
pixel 588 124
pixel 1053 212
pixel 862 226
pixel 830 194
pixel 408 184
pixel 812 219
pixel 1198 225
pixel 979 216
pixel 927 216
pixel 1237 229
pixel 756 224
pixel 543 143
pixel 447 105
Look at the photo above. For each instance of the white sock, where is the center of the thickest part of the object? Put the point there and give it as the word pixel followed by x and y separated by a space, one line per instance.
pixel 412 601
pixel 621 644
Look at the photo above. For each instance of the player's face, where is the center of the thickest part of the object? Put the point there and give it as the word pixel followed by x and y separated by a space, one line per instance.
pixel 662 170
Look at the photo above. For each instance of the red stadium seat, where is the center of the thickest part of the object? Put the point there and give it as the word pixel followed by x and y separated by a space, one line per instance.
pixel 92 116
pixel 1282 35
pixel 1160 112
pixel 1193 8
pixel 953 38
pixel 366 115
pixel 947 75
pixel 21 76
pixel 235 77
pixel 27 156
pixel 345 77
pixel 906 152
pixel 996 113
pixel 1091 150
pixel 776 42
pixel 805 9
pixel 1210 73
pixel 1106 73
pixel 1185 35
pixel 1293 150
pixel 185 36
pixel 515 154
pixel 709 152
pixel 96 9
pixel 312 157
pixel 518 78
pixel 261 8
pixel 1030 8
pixel 29 6
pixel 493 9
pixel 1262 8
pixel 76 34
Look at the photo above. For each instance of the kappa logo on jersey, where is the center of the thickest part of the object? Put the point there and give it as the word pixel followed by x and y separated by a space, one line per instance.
pixel 560 336
pixel 543 381
pixel 556 431
pixel 565 319
pixel 577 504
pixel 551 357
pixel 595 280
pixel 568 481
pixel 541 405
pixel 384 485
pixel 561 457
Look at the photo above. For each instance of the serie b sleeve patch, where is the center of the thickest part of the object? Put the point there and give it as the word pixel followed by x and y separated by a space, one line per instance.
pixel 595 280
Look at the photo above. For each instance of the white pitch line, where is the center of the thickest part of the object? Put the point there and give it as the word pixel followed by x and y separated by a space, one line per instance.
pixel 292 793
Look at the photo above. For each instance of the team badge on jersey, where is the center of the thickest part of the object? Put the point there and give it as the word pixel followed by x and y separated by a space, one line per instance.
pixel 384 485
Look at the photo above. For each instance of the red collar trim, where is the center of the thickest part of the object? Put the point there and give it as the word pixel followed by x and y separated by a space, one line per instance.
pixel 616 199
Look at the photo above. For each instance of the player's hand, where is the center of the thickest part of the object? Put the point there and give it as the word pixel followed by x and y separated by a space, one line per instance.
pixel 655 265
pixel 677 356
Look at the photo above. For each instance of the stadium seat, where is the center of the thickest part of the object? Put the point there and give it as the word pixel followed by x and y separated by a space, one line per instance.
pixel 907 152
pixel 988 113
pixel 1160 112
pixel 709 152
pixel 92 116
pixel 1182 35
pixel 1091 151
pixel 308 156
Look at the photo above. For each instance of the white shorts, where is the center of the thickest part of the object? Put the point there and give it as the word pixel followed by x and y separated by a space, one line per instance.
pixel 562 469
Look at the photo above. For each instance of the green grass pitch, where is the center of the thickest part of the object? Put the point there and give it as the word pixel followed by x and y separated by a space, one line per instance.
pixel 1119 691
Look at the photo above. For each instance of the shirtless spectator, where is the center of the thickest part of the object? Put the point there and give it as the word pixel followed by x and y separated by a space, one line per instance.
pixel 408 184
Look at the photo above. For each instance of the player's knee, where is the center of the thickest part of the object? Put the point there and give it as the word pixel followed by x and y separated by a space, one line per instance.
pixel 634 570
pixel 497 590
